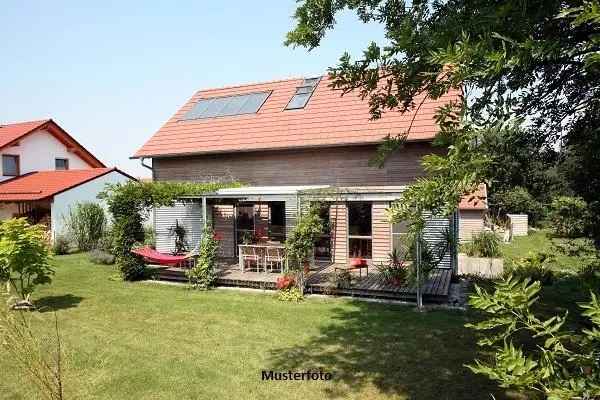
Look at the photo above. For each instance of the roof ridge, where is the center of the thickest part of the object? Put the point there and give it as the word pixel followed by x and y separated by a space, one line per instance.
pixel 240 85
pixel 36 121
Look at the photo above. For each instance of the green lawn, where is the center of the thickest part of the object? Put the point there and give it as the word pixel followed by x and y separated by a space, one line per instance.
pixel 543 241
pixel 152 341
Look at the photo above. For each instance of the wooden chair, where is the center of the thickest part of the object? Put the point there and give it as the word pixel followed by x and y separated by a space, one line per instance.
pixel 274 256
pixel 249 255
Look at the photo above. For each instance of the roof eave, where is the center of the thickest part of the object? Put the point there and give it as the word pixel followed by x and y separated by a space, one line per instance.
pixel 308 147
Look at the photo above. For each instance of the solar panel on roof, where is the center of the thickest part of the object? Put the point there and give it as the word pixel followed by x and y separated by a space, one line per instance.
pixel 227 106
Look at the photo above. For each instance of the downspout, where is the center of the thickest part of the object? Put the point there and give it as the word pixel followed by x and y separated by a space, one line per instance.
pixel 147 166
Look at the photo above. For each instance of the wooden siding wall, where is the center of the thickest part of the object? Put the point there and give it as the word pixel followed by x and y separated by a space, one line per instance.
pixel 469 223
pixel 291 215
pixel 382 237
pixel 340 166
pixel 187 215
pixel 223 219
pixel 338 217
pixel 434 233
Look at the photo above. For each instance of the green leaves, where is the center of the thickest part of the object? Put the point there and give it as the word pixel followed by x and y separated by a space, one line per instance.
pixel 553 361
pixel 299 244
pixel 24 256
pixel 130 202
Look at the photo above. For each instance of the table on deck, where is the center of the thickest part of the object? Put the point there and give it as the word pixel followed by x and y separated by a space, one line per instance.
pixel 262 250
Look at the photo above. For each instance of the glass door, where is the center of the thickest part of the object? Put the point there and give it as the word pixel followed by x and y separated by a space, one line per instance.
pixel 244 224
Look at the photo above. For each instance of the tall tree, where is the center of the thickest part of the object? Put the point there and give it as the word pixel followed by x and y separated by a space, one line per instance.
pixel 538 60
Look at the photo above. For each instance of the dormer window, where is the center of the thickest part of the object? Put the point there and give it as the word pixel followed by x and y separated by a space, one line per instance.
pixel 61 164
pixel 303 93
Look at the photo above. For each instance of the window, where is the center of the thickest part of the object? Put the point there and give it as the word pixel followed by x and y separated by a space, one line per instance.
pixel 400 239
pixel 10 165
pixel 61 164
pixel 360 229
pixel 303 93
pixel 227 105
pixel 277 221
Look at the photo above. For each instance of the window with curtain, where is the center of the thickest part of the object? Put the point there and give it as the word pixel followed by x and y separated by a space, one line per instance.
pixel 360 230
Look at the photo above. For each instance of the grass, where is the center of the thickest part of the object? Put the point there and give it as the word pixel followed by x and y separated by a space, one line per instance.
pixel 544 241
pixel 152 341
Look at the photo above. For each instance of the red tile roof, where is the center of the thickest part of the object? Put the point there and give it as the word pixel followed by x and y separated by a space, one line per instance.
pixel 11 133
pixel 476 200
pixel 328 119
pixel 45 184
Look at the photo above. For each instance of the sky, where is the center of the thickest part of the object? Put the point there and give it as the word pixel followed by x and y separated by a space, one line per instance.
pixel 112 73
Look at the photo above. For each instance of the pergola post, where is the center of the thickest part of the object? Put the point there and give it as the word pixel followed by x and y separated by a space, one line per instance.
pixel 204 216
pixel 418 268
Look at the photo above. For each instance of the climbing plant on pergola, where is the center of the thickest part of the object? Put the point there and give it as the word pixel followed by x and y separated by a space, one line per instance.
pixel 129 203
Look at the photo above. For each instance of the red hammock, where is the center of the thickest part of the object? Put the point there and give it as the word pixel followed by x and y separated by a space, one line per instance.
pixel 153 256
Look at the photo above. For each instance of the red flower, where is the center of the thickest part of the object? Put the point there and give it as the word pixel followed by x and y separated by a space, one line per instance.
pixel 217 236
pixel 285 282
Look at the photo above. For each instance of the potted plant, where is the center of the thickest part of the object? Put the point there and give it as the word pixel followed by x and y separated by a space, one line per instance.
pixel 395 271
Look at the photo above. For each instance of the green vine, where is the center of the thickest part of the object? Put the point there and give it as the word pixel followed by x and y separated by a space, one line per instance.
pixel 129 203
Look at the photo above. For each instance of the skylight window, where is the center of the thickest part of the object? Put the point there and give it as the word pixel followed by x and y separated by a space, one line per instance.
pixel 303 93
pixel 226 106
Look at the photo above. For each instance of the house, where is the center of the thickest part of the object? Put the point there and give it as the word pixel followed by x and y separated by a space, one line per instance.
pixel 291 142
pixel 45 171
pixel 472 210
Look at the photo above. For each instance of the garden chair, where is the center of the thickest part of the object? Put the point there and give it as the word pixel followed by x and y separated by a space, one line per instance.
pixel 274 257
pixel 250 255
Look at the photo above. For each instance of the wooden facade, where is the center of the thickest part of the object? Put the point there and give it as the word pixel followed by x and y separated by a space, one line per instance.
pixel 336 166
pixel 382 233
pixel 470 223
pixel 223 220
pixel 338 216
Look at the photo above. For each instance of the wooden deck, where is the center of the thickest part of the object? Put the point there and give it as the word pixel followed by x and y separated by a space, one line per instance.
pixel 373 285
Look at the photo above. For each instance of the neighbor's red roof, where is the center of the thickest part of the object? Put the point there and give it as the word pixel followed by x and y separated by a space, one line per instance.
pixel 45 184
pixel 328 119
pixel 476 200
pixel 10 134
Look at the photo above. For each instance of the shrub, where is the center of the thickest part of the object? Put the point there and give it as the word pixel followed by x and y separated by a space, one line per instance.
pixel 149 237
pixel 518 201
pixel 61 245
pixel 101 257
pixel 529 352
pixel 106 241
pixel 86 224
pixel 292 294
pixel 203 275
pixel 536 267
pixel 483 244
pixel 568 216
pixel 24 258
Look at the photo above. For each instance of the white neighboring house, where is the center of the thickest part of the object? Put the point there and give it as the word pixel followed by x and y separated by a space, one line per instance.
pixel 45 171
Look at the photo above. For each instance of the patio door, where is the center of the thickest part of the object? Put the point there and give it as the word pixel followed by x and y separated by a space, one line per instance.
pixel 244 224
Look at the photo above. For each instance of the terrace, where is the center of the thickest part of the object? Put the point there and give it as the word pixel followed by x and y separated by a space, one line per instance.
pixel 319 281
